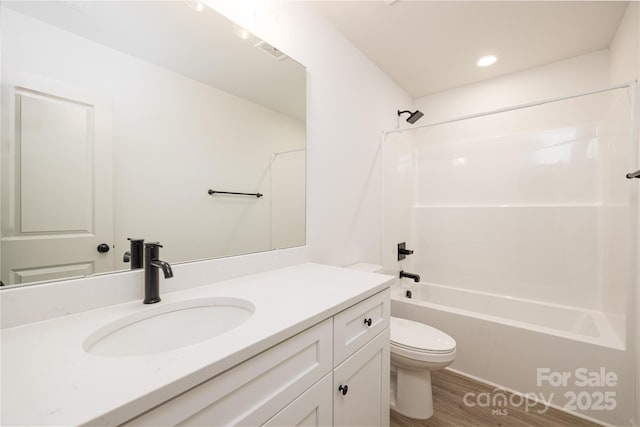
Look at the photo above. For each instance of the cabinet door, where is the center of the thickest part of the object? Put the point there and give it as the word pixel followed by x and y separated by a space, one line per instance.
pixel 366 378
pixel 254 391
pixel 312 408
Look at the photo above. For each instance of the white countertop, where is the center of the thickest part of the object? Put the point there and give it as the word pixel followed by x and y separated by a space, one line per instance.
pixel 48 379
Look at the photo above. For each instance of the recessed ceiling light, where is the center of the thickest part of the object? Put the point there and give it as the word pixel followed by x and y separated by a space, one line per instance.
pixel 485 61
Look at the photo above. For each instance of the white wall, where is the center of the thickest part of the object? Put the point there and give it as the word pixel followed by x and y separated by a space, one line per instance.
pixel 349 102
pixel 398 195
pixel 574 75
pixel 625 66
pixel 625 47
pixel 173 139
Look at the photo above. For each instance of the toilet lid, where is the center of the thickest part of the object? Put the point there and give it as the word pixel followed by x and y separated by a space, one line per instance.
pixel 419 337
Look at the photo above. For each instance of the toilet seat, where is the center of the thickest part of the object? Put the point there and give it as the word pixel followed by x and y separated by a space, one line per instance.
pixel 415 340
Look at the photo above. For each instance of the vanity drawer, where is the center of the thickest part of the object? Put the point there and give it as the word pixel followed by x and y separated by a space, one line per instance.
pixel 355 326
pixel 254 391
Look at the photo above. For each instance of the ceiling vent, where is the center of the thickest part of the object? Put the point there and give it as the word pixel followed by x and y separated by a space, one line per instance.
pixel 272 51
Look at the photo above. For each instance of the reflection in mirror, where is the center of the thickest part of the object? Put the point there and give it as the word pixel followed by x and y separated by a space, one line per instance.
pixel 117 120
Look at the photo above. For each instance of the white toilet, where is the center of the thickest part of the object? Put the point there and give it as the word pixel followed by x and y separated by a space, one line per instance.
pixel 416 350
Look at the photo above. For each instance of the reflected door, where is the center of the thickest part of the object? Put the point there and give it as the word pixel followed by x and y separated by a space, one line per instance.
pixel 57 219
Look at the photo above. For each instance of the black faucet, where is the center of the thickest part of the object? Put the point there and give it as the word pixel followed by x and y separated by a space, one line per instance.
pixel 135 254
pixel 151 278
pixel 415 277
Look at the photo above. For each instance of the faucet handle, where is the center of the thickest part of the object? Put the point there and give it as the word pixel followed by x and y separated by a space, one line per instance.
pixel 403 251
pixel 152 245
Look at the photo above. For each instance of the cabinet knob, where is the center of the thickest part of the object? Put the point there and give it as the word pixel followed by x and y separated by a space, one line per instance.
pixel 103 248
pixel 343 389
pixel 367 321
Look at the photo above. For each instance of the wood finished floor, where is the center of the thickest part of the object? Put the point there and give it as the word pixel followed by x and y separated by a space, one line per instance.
pixel 450 410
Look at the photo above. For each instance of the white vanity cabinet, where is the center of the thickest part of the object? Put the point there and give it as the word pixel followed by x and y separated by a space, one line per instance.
pixel 297 381
pixel 253 391
pixel 361 363
pixel 366 378
pixel 313 408
pixel 313 328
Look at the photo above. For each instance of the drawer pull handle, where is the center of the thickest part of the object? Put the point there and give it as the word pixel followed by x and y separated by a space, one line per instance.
pixel 343 389
pixel 367 321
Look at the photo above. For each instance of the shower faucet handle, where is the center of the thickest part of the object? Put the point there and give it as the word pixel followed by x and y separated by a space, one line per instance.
pixel 403 251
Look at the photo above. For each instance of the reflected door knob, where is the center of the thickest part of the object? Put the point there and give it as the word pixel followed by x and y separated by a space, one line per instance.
pixel 103 248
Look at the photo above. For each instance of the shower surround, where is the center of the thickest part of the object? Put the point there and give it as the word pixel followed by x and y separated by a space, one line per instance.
pixel 524 213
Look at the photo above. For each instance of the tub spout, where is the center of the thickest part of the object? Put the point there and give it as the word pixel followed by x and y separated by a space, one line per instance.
pixel 415 277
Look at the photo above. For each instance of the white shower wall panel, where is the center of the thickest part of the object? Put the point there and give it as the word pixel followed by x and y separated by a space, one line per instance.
pixel 397 187
pixel 543 253
pixel 550 166
pixel 528 202
pixel 494 183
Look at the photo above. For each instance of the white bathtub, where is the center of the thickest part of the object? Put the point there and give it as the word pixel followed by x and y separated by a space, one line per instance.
pixel 582 325
pixel 509 341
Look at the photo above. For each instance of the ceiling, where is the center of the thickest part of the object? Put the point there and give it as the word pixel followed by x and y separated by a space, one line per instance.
pixel 430 46
pixel 170 34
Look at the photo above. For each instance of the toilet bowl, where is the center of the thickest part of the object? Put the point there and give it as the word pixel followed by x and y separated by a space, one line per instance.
pixel 416 350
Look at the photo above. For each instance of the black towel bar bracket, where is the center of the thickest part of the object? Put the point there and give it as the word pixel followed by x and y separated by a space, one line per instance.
pixel 212 192
pixel 632 175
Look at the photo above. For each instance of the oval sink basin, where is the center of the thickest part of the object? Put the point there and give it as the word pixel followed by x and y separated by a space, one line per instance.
pixel 168 326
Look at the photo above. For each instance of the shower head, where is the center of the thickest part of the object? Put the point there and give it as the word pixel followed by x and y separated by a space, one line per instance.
pixel 413 117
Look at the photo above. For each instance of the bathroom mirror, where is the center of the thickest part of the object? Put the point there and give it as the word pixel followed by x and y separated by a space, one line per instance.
pixel 118 118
